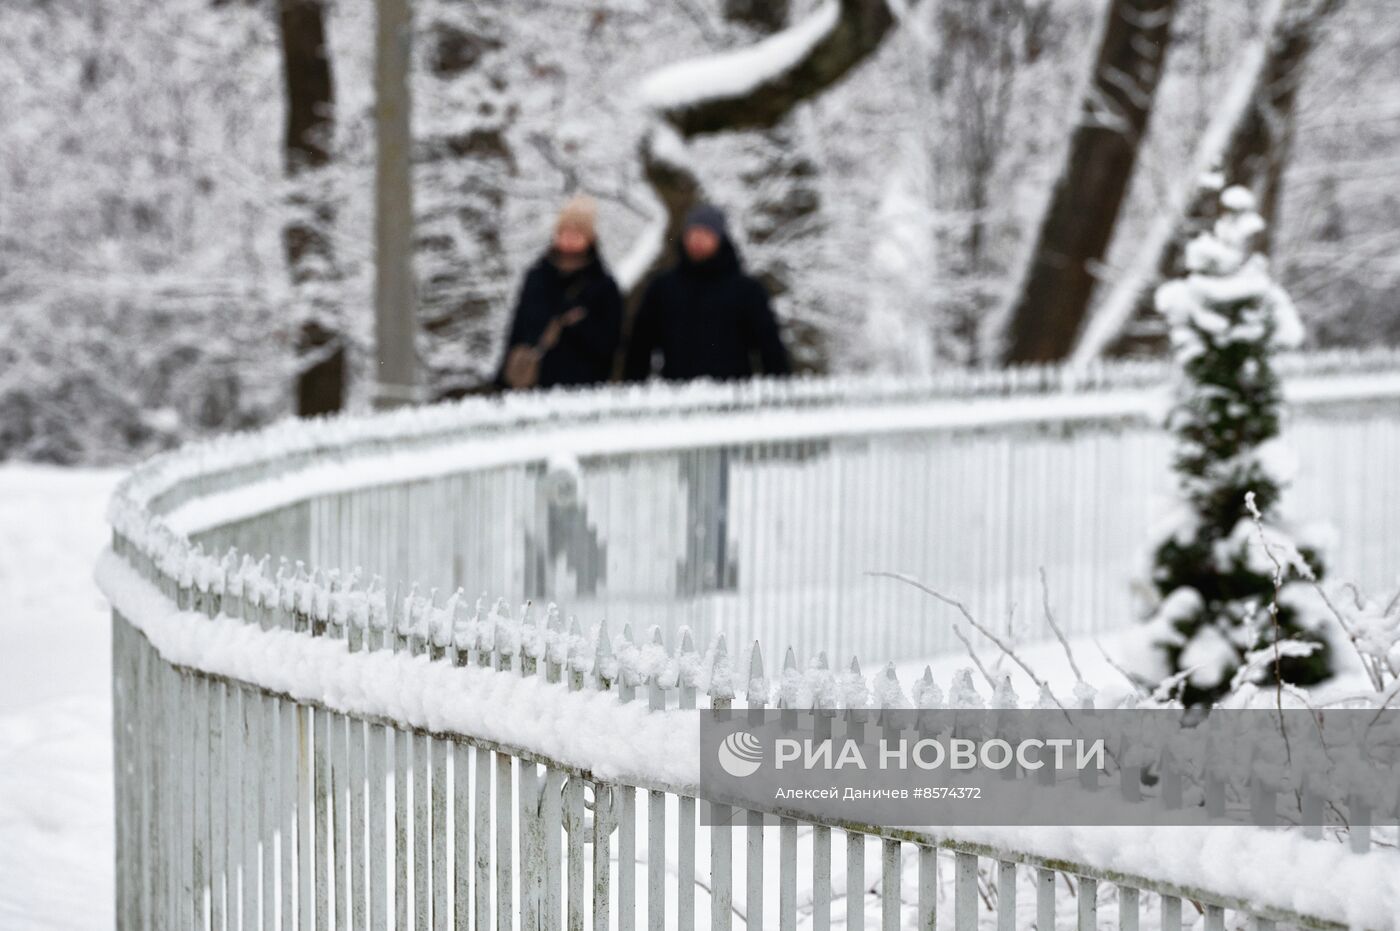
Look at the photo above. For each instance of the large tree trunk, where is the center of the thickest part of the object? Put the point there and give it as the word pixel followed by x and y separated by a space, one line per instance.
pixel 1075 229
pixel 465 163
pixel 858 29
pixel 310 129
pixel 1247 143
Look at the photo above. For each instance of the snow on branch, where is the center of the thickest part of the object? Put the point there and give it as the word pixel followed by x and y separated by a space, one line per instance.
pixel 755 87
pixel 739 72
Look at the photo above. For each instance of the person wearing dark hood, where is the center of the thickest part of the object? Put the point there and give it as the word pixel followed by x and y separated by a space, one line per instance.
pixel 705 318
pixel 568 320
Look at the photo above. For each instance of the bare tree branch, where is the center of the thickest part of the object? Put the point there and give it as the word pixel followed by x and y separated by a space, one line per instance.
pixel 981 628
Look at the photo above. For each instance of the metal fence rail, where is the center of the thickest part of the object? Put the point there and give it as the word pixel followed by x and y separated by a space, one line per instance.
pixel 774 538
pixel 240 807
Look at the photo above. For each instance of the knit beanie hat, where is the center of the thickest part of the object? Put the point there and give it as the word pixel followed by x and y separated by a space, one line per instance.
pixel 710 217
pixel 579 213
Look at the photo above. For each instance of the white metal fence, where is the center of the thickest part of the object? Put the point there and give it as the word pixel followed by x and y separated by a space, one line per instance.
pixel 767 524
pixel 756 509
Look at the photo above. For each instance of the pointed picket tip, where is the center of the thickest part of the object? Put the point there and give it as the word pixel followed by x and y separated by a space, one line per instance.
pixel 627 633
pixel 1004 696
pixel 719 662
pixel 656 638
pixel 823 662
pixel 756 661
pixel 602 653
pixel 789 660
pixel 927 677
pixel 575 629
pixel 395 605
pixel 721 680
pixel 687 641
pixel 855 666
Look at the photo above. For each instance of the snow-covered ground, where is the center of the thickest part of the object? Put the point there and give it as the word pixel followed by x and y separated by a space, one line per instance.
pixel 55 706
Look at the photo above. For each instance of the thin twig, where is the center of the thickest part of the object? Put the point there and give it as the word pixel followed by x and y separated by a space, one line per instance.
pixel 1059 634
pixel 977 626
pixel 958 632
pixel 1273 605
pixel 1138 685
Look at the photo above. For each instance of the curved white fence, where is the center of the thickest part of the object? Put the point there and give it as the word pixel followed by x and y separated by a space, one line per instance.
pixel 297 747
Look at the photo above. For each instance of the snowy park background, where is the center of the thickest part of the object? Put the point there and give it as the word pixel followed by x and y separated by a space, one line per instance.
pixel 144 167
pixel 153 292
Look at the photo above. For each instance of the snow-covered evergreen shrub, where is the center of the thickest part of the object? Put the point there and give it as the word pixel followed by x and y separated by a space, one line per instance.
pixel 1215 577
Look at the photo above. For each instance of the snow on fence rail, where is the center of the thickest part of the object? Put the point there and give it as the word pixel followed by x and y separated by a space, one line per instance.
pixel 761 509
pixel 304 749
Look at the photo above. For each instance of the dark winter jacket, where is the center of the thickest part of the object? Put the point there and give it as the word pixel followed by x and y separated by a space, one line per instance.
pixel 585 351
pixel 707 320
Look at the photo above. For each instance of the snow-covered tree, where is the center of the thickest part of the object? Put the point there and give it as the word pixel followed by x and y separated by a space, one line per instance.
pixel 1231 583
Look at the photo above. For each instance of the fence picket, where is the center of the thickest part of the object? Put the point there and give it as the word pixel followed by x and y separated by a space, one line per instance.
pixel 1044 900
pixel 1089 904
pixel 965 891
pixel 891 902
pixel 1171 913
pixel 1006 895
pixel 1127 908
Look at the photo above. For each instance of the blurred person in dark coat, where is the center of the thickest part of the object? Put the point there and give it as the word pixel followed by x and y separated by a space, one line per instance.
pixel 706 317
pixel 568 320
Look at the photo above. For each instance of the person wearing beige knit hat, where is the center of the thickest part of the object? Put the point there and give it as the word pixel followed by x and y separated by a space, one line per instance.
pixel 568 319
pixel 576 228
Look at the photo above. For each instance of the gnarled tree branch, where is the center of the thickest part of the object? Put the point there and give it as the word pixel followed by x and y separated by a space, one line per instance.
pixel 801 62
